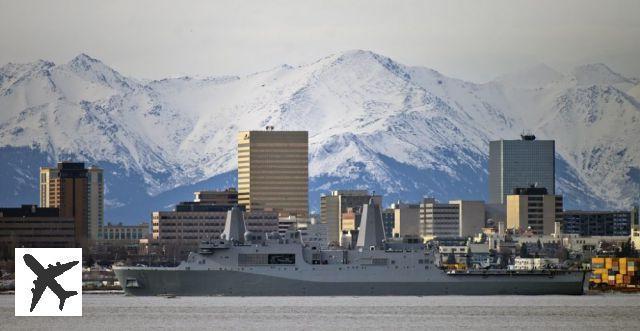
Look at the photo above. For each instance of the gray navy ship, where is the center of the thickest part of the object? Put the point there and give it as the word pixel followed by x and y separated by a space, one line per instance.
pixel 242 263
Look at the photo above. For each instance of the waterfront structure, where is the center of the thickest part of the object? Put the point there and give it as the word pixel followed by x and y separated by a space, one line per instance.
pixel 226 197
pixel 406 219
pixel 520 163
pixel 535 209
pixel 121 232
pixel 439 219
pixel 273 171
pixel 79 193
pixel 333 206
pixel 597 223
pixel 133 239
pixel 33 226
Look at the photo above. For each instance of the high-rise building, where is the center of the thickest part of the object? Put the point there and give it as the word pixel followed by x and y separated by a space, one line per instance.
pixel 335 205
pixel 273 171
pixel 95 210
pixel 78 193
pixel 439 219
pixel 533 208
pixel 31 226
pixel 520 163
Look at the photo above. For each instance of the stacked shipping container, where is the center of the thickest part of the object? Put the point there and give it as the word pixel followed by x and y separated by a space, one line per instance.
pixel 611 271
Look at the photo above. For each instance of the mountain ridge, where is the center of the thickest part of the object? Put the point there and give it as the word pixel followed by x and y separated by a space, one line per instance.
pixel 368 117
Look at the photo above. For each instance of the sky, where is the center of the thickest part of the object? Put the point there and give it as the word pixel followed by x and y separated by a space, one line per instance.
pixel 472 40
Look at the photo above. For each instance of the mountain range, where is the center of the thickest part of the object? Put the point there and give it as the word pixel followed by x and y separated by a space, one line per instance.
pixel 402 131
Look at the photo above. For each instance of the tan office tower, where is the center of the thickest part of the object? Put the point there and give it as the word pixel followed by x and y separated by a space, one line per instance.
pixel 406 219
pixel 273 171
pixel 534 208
pixel 78 193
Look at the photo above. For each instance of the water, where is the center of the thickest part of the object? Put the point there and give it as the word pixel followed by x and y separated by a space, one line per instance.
pixel 602 312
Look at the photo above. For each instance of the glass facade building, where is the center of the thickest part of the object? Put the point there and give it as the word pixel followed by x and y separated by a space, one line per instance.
pixel 597 223
pixel 520 163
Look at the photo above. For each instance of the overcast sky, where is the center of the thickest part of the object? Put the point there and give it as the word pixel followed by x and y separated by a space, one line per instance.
pixel 474 40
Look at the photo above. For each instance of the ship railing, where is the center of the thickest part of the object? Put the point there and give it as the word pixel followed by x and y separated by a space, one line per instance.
pixel 507 272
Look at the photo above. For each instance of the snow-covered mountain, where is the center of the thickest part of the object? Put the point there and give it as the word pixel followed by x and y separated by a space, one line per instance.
pixel 402 131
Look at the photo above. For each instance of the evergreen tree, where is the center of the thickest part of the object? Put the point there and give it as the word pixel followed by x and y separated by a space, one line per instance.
pixel 524 252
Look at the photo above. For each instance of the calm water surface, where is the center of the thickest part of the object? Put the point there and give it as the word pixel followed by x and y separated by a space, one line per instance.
pixel 593 312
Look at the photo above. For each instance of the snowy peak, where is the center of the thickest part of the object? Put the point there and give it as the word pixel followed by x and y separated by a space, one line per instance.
pixel 362 58
pixel 14 69
pixel 597 74
pixel 13 73
pixel 83 62
pixel 95 71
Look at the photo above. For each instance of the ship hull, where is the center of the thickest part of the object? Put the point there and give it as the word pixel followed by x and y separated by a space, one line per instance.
pixel 149 282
